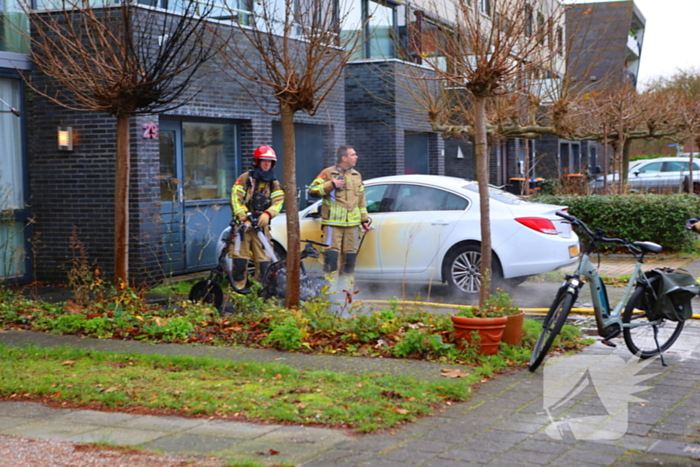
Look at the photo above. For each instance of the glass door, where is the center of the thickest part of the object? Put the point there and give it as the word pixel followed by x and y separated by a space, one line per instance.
pixel 171 197
pixel 199 164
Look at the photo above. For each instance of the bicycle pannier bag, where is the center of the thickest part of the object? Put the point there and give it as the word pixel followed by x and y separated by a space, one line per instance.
pixel 675 291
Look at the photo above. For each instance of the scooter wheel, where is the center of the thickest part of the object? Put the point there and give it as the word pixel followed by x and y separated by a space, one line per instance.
pixel 207 291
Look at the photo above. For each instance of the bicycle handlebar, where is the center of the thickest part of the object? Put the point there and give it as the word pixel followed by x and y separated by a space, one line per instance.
pixel 597 236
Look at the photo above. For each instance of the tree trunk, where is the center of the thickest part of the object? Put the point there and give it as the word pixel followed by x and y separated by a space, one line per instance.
pixel 482 177
pixel 292 206
pixel 691 185
pixel 626 151
pixel 121 203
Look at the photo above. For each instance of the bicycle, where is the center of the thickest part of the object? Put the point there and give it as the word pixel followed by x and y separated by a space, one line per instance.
pixel 273 280
pixel 646 333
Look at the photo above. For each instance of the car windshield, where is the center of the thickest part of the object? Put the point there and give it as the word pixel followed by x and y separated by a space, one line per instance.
pixel 497 194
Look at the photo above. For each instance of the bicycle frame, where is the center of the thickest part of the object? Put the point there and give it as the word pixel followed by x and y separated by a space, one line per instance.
pixel 606 318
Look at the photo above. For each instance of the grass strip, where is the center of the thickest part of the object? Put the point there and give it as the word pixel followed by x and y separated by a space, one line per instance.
pixel 198 386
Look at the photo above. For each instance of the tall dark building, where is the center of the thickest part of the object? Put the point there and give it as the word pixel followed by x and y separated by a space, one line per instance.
pixel 605 41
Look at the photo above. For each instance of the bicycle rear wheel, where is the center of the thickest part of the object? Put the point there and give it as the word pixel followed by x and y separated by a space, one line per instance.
pixel 551 326
pixel 207 291
pixel 640 339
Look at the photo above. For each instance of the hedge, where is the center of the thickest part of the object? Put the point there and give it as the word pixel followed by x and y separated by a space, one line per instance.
pixel 656 218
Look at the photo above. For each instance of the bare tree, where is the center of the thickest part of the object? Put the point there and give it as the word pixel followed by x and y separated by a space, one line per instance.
pixel 682 91
pixel 489 57
pixel 124 59
pixel 298 57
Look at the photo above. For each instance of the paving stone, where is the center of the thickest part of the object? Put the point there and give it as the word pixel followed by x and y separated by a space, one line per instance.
pixel 408 456
pixel 48 429
pixel 591 457
pixel 94 417
pixel 118 436
pixel 225 429
pixel 149 422
pixel 529 457
pixel 510 437
pixel 29 410
pixel 190 444
pixel 676 449
pixel 340 457
pixel 467 455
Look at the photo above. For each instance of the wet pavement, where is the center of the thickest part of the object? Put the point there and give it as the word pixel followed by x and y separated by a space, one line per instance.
pixel 596 408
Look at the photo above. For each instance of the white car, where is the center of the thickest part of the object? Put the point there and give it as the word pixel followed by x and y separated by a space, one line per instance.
pixel 425 228
pixel 659 175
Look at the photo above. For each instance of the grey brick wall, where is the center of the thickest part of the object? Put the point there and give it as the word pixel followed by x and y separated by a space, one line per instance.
pixel 378 111
pixel 77 188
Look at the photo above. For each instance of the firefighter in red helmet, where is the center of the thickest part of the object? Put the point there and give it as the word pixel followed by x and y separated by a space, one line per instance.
pixel 256 197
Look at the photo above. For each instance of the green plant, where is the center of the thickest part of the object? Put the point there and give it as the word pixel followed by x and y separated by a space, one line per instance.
pixel 83 276
pixel 499 304
pixel 417 342
pixel 286 336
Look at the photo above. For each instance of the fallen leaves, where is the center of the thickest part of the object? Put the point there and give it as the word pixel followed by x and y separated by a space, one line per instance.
pixel 453 373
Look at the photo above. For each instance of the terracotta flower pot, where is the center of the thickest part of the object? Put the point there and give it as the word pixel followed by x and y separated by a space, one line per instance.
pixel 513 333
pixel 489 329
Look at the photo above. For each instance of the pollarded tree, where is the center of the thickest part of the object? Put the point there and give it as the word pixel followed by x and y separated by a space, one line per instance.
pixel 491 49
pixel 294 51
pixel 124 59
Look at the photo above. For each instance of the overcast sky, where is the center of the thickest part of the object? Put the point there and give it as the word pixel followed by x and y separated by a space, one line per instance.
pixel 671 39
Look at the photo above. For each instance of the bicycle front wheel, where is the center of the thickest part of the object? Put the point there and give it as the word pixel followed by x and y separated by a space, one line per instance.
pixel 551 326
pixel 640 338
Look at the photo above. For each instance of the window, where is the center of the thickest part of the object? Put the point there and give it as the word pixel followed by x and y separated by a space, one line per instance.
pixel 209 160
pixel 12 20
pixel 373 196
pixel 377 21
pixel 654 167
pixel 423 198
pixel 485 7
pixel 428 42
pixel 560 41
pixel 529 21
pixel 11 182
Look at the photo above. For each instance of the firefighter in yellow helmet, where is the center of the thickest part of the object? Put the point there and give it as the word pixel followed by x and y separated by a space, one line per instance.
pixel 256 197
pixel 343 212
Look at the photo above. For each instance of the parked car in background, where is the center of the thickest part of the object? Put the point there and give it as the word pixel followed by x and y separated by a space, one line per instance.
pixel 660 175
pixel 426 228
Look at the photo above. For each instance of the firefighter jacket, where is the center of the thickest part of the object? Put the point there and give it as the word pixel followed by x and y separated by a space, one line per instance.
pixel 244 189
pixel 345 207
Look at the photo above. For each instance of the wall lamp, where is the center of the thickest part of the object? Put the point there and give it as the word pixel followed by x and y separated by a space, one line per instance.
pixel 65 138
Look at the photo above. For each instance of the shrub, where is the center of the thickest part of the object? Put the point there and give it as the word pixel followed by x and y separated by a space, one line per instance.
pixel 656 218
pixel 285 335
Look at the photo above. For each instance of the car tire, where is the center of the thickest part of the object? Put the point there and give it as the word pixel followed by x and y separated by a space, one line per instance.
pixel 462 270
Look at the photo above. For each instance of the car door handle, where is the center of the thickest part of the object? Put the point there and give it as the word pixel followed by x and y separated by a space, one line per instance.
pixel 440 223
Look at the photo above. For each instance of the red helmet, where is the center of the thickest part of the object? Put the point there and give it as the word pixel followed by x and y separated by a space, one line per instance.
pixel 264 153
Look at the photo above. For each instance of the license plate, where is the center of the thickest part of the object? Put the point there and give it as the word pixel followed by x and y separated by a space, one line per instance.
pixel 573 251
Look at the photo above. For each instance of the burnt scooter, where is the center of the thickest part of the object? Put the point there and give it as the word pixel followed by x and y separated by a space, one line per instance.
pixel 273 280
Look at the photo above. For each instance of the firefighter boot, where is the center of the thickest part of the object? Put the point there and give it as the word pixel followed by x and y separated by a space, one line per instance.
pixel 347 275
pixel 330 263
pixel 240 272
pixel 263 266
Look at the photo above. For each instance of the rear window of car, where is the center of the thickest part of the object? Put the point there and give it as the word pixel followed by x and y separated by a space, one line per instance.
pixel 497 194
pixel 424 198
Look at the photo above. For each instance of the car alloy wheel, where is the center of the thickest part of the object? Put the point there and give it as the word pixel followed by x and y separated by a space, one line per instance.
pixel 464 270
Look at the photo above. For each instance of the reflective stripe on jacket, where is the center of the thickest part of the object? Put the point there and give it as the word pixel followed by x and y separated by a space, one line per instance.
pixel 345 207
pixel 244 189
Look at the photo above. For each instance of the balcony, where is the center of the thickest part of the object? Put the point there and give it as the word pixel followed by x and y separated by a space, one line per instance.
pixel 633 46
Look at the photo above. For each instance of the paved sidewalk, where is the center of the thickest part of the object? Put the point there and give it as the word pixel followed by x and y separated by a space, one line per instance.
pixel 505 423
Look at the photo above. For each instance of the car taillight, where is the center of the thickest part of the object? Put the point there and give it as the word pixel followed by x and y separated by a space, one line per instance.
pixel 539 224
